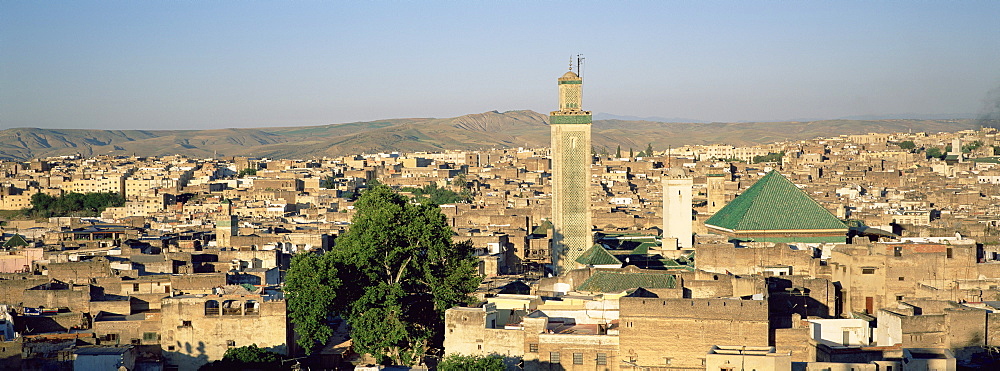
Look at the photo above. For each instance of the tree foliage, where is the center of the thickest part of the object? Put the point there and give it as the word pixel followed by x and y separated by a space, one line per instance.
pixel 907 144
pixel 407 273
pixel 245 172
pixel 328 182
pixel 648 152
pixel 934 152
pixel 311 289
pixel 72 204
pixel 435 195
pixel 972 146
pixel 245 358
pixel 770 157
pixel 458 362
pixel 398 271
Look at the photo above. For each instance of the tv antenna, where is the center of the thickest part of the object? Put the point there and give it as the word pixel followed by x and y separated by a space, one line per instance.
pixel 579 64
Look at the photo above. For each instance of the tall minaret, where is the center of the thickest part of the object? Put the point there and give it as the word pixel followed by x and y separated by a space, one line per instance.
pixel 677 194
pixel 571 159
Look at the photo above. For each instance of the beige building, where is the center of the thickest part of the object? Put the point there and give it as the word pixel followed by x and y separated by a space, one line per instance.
pixel 197 329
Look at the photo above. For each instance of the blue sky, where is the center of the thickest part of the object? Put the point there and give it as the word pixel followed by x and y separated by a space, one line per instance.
pixel 217 64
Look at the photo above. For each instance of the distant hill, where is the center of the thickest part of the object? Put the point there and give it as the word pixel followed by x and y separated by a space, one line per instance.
pixel 474 131
pixel 609 116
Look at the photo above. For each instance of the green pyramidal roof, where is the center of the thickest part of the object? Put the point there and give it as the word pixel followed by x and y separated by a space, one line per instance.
pixel 597 255
pixel 15 241
pixel 621 281
pixel 774 203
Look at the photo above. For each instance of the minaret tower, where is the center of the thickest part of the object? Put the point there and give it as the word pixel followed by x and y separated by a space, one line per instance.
pixel 571 159
pixel 677 197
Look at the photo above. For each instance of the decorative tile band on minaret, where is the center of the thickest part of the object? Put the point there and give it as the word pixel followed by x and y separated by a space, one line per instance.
pixel 571 159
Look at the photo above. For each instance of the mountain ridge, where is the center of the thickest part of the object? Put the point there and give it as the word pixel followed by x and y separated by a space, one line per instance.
pixel 493 129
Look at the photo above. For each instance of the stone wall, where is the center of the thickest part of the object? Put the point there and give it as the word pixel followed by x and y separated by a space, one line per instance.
pixel 682 331
pixel 191 338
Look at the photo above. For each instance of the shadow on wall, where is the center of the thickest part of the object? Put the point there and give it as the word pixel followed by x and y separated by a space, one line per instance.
pixel 186 356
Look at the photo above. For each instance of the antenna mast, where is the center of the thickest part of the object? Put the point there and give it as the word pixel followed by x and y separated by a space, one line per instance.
pixel 579 65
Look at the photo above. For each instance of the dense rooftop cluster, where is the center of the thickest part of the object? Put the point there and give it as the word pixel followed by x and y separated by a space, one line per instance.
pixel 193 263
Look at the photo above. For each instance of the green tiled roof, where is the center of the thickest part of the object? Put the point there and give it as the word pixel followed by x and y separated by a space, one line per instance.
pixel 618 282
pixel 597 255
pixel 800 239
pixel 543 229
pixel 15 241
pixel 774 203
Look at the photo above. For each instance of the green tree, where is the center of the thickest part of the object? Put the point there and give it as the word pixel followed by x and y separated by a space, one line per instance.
pixel 934 152
pixel 311 289
pixel 770 157
pixel 246 357
pixel 402 259
pixel 72 204
pixel 972 146
pixel 245 172
pixel 630 153
pixel 328 182
pixel 907 144
pixel 458 362
pixel 618 151
pixel 435 195
pixel 404 272
pixel 649 150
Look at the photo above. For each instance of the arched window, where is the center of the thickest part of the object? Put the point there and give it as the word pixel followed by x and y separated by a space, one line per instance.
pixel 232 308
pixel 211 308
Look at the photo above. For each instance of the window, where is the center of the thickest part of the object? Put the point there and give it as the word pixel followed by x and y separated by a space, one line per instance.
pixel 135 287
pixel 577 358
pixel 186 323
pixel 899 297
pixel 867 270
pixel 533 347
pixel 211 308
pixel 948 252
pixel 668 360
pixel 149 336
pixel 602 359
pixel 171 348
pixel 554 357
pixel 902 278
pixel 230 343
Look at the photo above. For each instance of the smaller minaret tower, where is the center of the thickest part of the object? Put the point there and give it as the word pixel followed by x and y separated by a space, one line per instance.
pixel 677 197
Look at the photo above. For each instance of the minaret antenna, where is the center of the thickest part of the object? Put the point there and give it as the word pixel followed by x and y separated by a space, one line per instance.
pixel 579 65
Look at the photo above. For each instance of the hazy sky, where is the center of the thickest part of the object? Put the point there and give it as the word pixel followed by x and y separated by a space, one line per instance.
pixel 215 64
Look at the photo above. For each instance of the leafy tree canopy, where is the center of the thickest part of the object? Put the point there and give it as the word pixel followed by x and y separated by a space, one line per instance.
pixel 248 171
pixel 328 182
pixel 247 357
pixel 907 144
pixel 435 195
pixel 311 289
pixel 934 152
pixel 458 362
pixel 72 204
pixel 770 157
pixel 397 270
